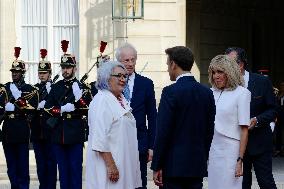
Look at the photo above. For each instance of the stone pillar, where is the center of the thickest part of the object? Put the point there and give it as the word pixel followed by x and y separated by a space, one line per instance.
pixel 7 38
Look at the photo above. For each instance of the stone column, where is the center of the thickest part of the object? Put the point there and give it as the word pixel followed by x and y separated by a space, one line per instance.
pixel 7 38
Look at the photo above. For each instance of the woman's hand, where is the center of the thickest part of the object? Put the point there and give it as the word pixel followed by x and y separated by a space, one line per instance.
pixel 113 173
pixel 239 169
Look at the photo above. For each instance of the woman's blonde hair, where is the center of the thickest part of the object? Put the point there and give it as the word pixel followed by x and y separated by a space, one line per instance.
pixel 230 67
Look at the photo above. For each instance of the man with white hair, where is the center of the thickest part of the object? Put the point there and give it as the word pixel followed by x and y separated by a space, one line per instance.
pixel 139 91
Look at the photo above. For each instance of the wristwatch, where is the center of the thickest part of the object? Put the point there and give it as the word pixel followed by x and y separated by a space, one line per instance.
pixel 240 159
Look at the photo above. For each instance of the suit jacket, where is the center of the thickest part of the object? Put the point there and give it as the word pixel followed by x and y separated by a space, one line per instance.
pixel 263 106
pixel 185 127
pixel 143 103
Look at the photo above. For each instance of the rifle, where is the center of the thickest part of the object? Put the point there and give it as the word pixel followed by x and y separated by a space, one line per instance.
pixel 143 68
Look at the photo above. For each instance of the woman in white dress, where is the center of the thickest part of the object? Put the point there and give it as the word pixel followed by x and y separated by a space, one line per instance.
pixel 112 152
pixel 232 119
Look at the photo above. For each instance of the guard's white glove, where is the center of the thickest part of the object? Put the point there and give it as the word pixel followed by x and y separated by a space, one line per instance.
pixel 69 107
pixel 77 91
pixel 15 91
pixel 41 104
pixel 9 107
pixel 48 87
pixel 272 126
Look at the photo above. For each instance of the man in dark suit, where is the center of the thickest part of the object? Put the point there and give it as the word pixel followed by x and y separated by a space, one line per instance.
pixel 185 125
pixel 140 93
pixel 263 111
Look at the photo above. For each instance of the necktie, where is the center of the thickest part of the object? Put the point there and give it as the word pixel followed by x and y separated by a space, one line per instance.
pixel 126 92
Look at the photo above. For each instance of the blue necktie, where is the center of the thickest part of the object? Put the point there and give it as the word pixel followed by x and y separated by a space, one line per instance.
pixel 126 92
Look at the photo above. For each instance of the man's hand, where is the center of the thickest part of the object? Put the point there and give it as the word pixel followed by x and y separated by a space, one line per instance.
pixel 77 91
pixel 9 107
pixel 48 87
pixel 157 177
pixel 253 122
pixel 41 104
pixel 150 155
pixel 69 107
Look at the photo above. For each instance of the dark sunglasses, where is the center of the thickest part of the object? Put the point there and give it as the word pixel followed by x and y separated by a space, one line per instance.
pixel 120 76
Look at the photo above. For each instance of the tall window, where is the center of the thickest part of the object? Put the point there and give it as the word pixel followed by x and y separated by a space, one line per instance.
pixel 43 24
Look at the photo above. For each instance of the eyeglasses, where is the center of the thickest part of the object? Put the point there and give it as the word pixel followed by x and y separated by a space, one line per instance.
pixel 120 76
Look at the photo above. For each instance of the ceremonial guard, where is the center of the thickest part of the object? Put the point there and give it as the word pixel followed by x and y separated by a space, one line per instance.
pixel 93 88
pixel 22 100
pixel 102 58
pixel 40 133
pixel 67 103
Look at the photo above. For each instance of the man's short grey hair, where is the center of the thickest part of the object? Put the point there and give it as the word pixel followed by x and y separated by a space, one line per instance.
pixel 121 48
pixel 104 72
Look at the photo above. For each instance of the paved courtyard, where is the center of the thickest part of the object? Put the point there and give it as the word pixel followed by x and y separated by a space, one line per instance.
pixel 278 171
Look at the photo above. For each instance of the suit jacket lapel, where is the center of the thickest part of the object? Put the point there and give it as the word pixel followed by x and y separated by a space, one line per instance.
pixel 250 82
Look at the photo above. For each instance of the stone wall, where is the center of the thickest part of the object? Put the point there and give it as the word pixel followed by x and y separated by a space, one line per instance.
pixel 7 38
pixel 163 26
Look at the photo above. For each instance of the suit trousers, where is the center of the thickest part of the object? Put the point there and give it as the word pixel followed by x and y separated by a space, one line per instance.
pixel 46 165
pixel 17 159
pixel 69 158
pixel 143 159
pixel 262 165
pixel 182 183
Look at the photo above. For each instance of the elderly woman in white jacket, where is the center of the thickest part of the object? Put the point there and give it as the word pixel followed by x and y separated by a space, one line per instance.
pixel 112 153
pixel 232 119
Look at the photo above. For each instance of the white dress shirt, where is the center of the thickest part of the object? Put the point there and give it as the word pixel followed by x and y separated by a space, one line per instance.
pixel 246 78
pixel 131 83
pixel 182 75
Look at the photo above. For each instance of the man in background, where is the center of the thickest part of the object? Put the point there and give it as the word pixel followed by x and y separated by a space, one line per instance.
pixel 263 112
